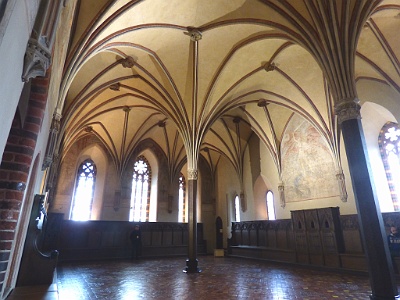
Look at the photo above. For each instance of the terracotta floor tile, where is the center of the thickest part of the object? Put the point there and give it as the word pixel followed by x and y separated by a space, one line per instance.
pixel 221 278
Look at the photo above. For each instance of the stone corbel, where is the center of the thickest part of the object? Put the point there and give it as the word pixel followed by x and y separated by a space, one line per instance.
pixel 342 186
pixel 51 142
pixel 40 45
pixel 37 60
pixel 281 189
pixel 243 203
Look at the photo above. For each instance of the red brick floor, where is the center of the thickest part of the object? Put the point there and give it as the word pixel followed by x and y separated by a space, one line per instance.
pixel 221 278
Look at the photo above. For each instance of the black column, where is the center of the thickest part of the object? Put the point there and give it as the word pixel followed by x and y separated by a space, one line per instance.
pixel 381 272
pixel 191 262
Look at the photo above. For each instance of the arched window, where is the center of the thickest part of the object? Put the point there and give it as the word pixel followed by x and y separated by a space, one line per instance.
pixel 389 145
pixel 237 208
pixel 181 201
pixel 140 197
pixel 84 188
pixel 270 206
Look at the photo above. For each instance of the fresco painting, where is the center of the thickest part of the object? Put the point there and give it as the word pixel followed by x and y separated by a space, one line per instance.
pixel 308 170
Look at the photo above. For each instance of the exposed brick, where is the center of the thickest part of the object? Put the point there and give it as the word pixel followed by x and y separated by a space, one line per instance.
pixel 13 140
pixel 14 166
pixel 19 176
pixel 29 135
pixel 4 255
pixel 7 235
pixel 33 128
pixel 20 149
pixel 23 159
pixel 31 143
pixel 13 204
pixel 2 276
pixel 7 225
pixel 38 88
pixel 10 215
pixel 7 156
pixel 3 266
pixel 34 120
pixel 38 104
pixel 35 112
pixel 4 174
pixel 5 245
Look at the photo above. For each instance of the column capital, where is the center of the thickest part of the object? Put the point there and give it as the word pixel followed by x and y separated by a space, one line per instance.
pixel 192 174
pixel 195 34
pixel 348 109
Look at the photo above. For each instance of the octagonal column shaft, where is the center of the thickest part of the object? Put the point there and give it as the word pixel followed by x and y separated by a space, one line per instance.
pixel 370 219
pixel 192 262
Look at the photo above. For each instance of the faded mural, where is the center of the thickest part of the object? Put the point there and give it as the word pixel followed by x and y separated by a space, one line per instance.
pixel 308 171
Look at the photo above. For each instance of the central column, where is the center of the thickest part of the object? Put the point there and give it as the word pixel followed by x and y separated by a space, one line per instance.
pixel 381 274
pixel 192 262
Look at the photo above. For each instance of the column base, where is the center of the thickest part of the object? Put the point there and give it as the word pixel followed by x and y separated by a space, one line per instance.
pixel 372 297
pixel 191 266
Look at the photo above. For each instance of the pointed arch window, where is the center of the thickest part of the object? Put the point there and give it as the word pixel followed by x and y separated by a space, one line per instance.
pixel 181 200
pixel 270 205
pixel 389 145
pixel 84 189
pixel 237 208
pixel 140 196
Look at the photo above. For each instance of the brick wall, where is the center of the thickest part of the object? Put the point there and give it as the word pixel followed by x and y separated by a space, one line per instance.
pixel 15 167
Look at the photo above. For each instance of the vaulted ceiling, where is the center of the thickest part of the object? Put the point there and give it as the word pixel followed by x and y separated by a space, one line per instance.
pixel 209 74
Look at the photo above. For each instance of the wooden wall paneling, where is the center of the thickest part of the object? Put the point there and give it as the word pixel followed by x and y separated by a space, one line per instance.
pixel 300 237
pixel 253 233
pixel 271 234
pixel 245 234
pixel 314 237
pixel 262 234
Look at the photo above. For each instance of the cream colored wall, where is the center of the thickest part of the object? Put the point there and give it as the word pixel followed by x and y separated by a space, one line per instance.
pixel 63 201
pixel 108 212
pixel 374 117
pixel 269 180
pixel 227 188
pixel 15 30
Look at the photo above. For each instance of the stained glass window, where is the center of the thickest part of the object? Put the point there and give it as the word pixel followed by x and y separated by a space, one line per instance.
pixel 140 196
pixel 181 204
pixel 389 144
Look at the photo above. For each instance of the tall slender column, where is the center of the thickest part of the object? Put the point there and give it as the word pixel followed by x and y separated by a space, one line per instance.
pixel 192 262
pixel 370 219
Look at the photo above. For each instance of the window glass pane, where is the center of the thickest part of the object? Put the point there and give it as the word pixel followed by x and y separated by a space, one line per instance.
pixel 237 209
pixel 83 195
pixel 140 191
pixel 389 144
pixel 270 206
pixel 181 195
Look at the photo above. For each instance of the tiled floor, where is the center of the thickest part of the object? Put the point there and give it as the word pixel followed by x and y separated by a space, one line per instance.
pixel 221 278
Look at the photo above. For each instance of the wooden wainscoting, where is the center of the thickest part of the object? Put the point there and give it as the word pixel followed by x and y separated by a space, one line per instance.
pixel 96 240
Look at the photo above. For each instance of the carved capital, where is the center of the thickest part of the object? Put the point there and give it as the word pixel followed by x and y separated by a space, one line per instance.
pixel 348 109
pixel 128 62
pixel 342 186
pixel 194 34
pixel 281 189
pixel 115 86
pixel 192 174
pixel 51 141
pixel 269 66
pixel 37 60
